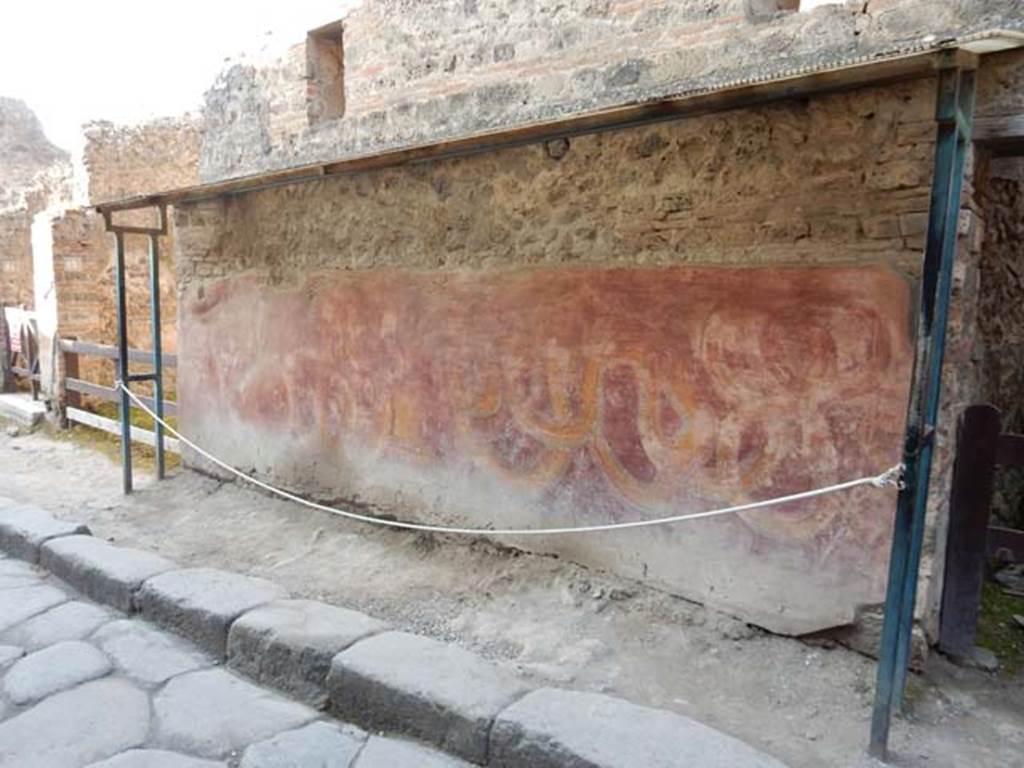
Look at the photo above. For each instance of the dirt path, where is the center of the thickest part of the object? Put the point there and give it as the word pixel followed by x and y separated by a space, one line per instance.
pixel 544 617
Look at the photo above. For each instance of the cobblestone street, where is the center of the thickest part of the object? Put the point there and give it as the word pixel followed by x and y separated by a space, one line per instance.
pixel 81 684
pixel 87 683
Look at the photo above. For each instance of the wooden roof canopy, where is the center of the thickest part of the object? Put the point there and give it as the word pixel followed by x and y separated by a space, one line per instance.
pixel 921 61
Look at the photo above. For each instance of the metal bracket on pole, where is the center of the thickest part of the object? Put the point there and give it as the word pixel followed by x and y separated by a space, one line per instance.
pixel 954 110
pixel 124 376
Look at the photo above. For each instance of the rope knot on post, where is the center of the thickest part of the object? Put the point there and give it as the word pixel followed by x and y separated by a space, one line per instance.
pixel 892 476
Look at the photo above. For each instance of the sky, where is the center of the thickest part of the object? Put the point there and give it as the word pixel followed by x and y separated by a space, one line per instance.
pixel 73 61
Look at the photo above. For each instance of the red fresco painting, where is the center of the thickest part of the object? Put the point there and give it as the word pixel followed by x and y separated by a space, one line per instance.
pixel 616 394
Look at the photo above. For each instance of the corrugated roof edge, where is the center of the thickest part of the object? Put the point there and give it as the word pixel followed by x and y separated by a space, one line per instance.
pixel 899 63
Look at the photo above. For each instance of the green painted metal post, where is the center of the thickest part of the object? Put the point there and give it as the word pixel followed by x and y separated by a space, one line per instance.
pixel 122 363
pixel 158 358
pixel 960 119
pixel 954 107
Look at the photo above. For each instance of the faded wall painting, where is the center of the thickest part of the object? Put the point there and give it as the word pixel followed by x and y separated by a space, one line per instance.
pixel 559 396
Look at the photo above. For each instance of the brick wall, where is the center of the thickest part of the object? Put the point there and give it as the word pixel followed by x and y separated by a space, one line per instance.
pixel 121 161
pixel 16 258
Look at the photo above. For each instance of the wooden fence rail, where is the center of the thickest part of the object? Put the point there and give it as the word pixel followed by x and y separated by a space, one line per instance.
pixel 75 387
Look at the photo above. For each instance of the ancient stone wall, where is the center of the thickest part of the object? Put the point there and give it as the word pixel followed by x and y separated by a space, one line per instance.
pixel 16 259
pixel 121 161
pixel 1001 313
pixel 33 175
pixel 645 322
pixel 456 67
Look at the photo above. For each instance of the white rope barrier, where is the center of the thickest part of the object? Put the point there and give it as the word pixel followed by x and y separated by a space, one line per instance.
pixel 891 476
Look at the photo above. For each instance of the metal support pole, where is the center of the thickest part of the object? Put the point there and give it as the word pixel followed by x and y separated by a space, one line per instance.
pixel 122 363
pixel 955 103
pixel 158 360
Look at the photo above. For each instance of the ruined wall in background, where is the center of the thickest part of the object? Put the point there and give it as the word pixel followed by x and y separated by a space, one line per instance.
pixel 34 174
pixel 121 161
pixel 16 259
pixel 656 320
pixel 457 67
pixel 1002 317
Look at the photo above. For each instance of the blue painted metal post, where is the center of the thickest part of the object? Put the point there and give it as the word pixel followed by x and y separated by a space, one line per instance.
pixel 158 358
pixel 954 107
pixel 122 363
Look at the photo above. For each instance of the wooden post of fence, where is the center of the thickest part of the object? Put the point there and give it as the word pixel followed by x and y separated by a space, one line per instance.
pixel 71 398
pixel 969 503
pixel 6 374
pixel 30 350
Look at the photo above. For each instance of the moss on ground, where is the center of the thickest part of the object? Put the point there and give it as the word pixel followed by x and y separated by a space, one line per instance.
pixel 143 457
pixel 998 630
pixel 139 417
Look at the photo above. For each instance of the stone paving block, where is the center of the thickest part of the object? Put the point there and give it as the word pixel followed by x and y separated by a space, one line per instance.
pixel 15 573
pixel 22 603
pixel 96 568
pixel 381 752
pixel 9 654
pixel 289 644
pixel 52 670
pixel 73 620
pixel 317 745
pixel 155 758
pixel 552 728
pixel 15 581
pixel 201 603
pixel 9 567
pixel 24 529
pixel 212 712
pixel 77 727
pixel 146 654
pixel 422 688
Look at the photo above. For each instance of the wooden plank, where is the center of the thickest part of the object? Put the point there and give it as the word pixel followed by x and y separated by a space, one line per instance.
pixel 90 349
pixel 114 427
pixel 841 76
pixel 999 128
pixel 970 500
pixel 71 396
pixel 1011 450
pixel 19 371
pixel 1001 135
pixel 110 395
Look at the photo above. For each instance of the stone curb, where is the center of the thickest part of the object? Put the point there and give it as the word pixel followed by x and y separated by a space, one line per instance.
pixel 108 574
pixel 552 728
pixel 25 528
pixel 380 680
pixel 202 603
pixel 289 644
pixel 430 690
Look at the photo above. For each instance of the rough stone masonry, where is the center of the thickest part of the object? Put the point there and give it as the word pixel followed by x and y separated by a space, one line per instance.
pixel 605 328
pixel 663 319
